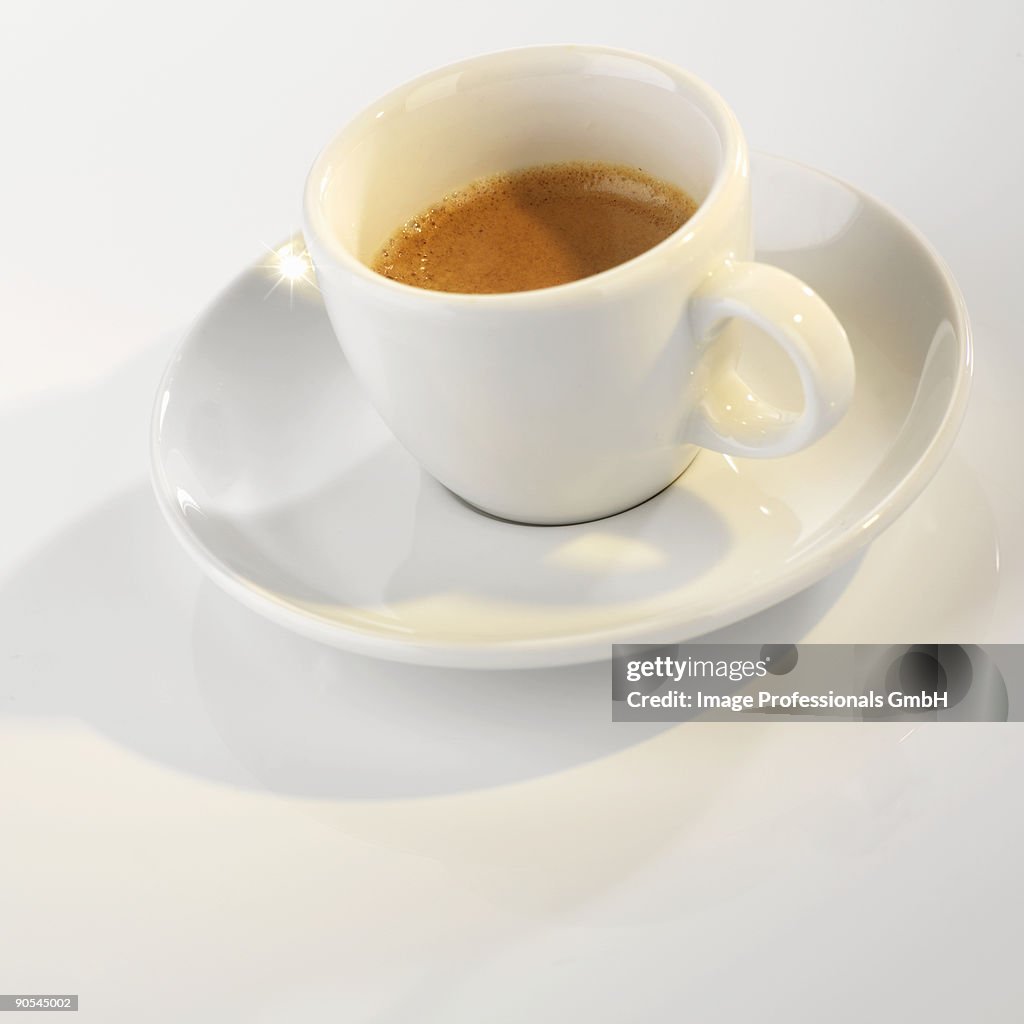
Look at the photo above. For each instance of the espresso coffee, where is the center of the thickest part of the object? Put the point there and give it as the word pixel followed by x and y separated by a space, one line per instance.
pixel 534 228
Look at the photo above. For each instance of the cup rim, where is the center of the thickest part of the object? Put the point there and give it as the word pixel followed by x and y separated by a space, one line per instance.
pixel 734 165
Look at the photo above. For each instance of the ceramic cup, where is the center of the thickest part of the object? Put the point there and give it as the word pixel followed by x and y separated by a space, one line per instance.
pixel 578 401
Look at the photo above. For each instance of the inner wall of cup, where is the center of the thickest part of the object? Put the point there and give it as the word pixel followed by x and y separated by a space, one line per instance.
pixel 430 139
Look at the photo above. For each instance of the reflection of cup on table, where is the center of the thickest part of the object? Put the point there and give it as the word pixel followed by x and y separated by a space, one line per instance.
pixel 576 401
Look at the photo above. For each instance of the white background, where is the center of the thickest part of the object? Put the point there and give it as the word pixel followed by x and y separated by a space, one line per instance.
pixel 203 818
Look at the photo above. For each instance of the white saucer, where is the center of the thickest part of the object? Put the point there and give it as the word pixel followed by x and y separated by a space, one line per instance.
pixel 283 484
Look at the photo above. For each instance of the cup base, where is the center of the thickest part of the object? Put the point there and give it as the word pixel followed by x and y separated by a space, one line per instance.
pixel 513 521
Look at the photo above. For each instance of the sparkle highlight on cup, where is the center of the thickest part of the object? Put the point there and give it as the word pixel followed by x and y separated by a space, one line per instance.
pixel 290 264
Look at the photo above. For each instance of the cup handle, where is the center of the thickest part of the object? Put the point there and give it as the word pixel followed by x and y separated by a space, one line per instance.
pixel 731 418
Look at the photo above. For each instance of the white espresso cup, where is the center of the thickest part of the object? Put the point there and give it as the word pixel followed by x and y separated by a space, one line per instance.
pixel 577 401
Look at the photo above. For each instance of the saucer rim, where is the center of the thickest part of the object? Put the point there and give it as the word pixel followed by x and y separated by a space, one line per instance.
pixel 594 644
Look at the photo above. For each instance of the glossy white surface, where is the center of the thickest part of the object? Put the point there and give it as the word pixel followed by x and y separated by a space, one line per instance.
pixel 198 805
pixel 566 404
pixel 289 491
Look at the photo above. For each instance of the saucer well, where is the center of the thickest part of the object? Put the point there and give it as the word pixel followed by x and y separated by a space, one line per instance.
pixel 281 481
